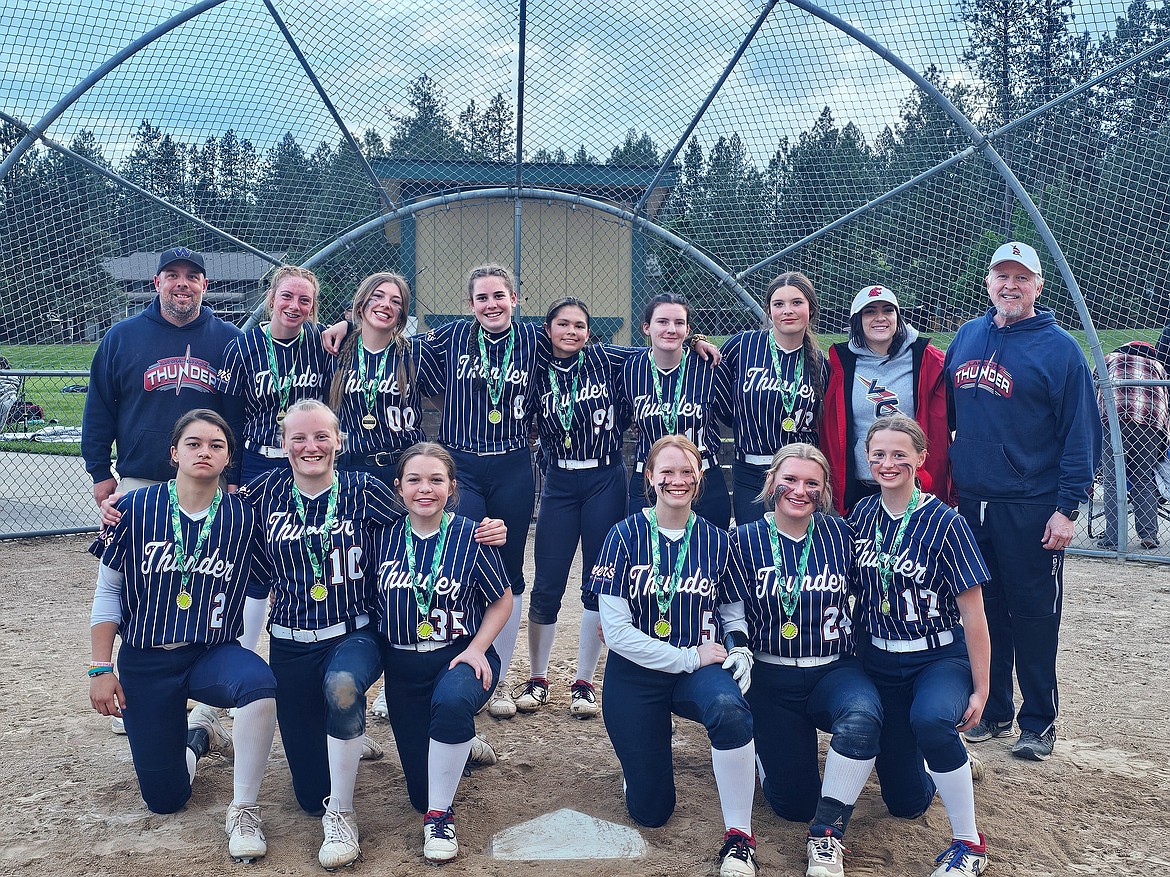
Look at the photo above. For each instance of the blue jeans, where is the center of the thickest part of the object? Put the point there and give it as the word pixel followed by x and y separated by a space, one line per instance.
pixel 502 486
pixel 637 707
pixel 924 695
pixel 1143 447
pixel 789 705
pixel 321 691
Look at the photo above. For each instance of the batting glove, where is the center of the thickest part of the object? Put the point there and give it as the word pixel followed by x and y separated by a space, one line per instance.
pixel 739 662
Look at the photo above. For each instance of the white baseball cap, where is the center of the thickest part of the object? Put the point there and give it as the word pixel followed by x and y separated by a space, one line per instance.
pixel 872 294
pixel 1014 251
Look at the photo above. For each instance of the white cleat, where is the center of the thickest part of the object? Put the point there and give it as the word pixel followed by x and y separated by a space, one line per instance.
pixel 482 754
pixel 245 832
pixel 826 856
pixel 371 749
pixel 502 706
pixel 117 726
pixel 439 842
pixel 219 739
pixel 340 846
pixel 378 709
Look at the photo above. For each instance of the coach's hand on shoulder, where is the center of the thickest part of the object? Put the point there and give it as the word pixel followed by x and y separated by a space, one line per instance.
pixel 103 489
pixel 474 658
pixel 491 531
pixel 105 694
pixel 110 513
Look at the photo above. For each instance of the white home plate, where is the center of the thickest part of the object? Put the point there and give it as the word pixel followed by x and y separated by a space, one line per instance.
pixel 567 834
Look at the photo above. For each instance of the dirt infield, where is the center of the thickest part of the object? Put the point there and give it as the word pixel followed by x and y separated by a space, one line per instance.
pixel 1098 806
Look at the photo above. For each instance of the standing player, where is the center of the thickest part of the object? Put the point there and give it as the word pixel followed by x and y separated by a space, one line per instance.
pixel 580 417
pixel 673 627
pixel 274 365
pixel 921 574
pixel 670 394
pixel 441 600
pixel 795 565
pixel 171 584
pixel 778 378
pixel 482 367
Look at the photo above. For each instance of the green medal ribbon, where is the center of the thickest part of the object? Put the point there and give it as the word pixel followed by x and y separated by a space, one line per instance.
pixel 496 387
pixel 370 389
pixel 886 569
pixel 318 591
pixel 789 594
pixel 787 396
pixel 670 421
pixel 424 590
pixel 283 385
pixel 181 556
pixel 565 412
pixel 664 589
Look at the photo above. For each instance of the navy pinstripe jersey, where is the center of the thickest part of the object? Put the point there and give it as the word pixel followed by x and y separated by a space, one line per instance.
pixel 471 578
pixel 705 390
pixel 937 560
pixel 142 547
pixel 246 373
pixel 824 625
pixel 600 413
pixel 757 409
pixel 363 504
pixel 623 570
pixel 451 365
pixel 398 410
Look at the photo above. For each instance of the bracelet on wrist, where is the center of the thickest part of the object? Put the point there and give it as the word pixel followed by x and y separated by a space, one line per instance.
pixel 695 339
pixel 93 672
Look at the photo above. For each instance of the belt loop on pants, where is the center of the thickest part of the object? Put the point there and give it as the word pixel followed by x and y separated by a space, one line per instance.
pixel 811 661
pixel 914 645
pixel 322 634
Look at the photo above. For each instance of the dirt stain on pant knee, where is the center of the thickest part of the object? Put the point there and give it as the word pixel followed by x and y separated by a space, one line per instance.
pixel 341 689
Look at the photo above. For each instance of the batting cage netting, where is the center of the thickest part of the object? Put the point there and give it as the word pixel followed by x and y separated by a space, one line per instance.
pixel 609 151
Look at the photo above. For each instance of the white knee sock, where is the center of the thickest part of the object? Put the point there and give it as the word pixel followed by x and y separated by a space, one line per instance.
pixel 505 641
pixel 736 781
pixel 588 646
pixel 958 796
pixel 540 644
pixel 445 763
pixel 845 777
pixel 252 732
pixel 191 760
pixel 344 757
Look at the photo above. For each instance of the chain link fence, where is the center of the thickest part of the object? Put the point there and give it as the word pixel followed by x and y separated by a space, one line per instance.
pixel 609 151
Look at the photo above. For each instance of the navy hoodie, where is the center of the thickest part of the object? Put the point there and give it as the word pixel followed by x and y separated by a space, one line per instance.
pixel 147 373
pixel 1024 414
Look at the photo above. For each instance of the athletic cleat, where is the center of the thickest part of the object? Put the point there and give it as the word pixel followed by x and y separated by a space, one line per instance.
pixel 482 754
pixel 961 859
pixel 439 842
pixel 531 695
pixel 245 833
pixel 978 771
pixel 117 726
pixel 502 706
pixel 219 739
pixel 340 847
pixel 379 710
pixel 371 750
pixel 826 857
pixel 584 704
pixel 1033 746
pixel 987 729
pixel 737 857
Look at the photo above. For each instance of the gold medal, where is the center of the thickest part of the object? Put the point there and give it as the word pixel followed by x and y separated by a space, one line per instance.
pixel 183 600
pixel 494 416
pixel 318 592
pixel 789 630
pixel 788 424
pixel 568 442
pixel 280 415
pixel 369 421
pixel 662 628
pixel 886 606
pixel 425 630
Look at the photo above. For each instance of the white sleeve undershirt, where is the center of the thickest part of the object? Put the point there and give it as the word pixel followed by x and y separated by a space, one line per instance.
pixel 107 596
pixel 617 623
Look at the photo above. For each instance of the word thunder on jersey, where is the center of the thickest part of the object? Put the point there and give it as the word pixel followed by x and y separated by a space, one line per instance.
pixel 363 504
pixel 141 546
pixel 471 578
pixel 623 569
pixel 397 410
pixel 937 560
pixel 822 618
pixel 599 413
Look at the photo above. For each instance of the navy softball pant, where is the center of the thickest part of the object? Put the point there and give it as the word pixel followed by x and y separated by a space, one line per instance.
pixel 254 465
pixel 502 486
pixel 576 505
pixel 426 701
pixel 713 503
pixel 637 707
pixel 747 481
pixel 1023 602
pixel 924 695
pixel 321 692
pixel 789 705
pixel 157 683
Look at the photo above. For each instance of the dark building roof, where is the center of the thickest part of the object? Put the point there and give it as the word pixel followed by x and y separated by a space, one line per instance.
pixel 221 267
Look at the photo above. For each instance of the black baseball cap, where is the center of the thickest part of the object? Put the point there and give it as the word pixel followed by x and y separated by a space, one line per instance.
pixel 180 254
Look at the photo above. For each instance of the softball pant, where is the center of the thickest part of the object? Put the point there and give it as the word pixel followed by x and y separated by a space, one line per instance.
pixel 502 486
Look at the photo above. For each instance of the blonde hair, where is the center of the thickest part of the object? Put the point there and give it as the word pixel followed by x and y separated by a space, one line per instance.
pixel 899 423
pixel 283 273
pixel 797 451
pixel 685 445
pixel 310 406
